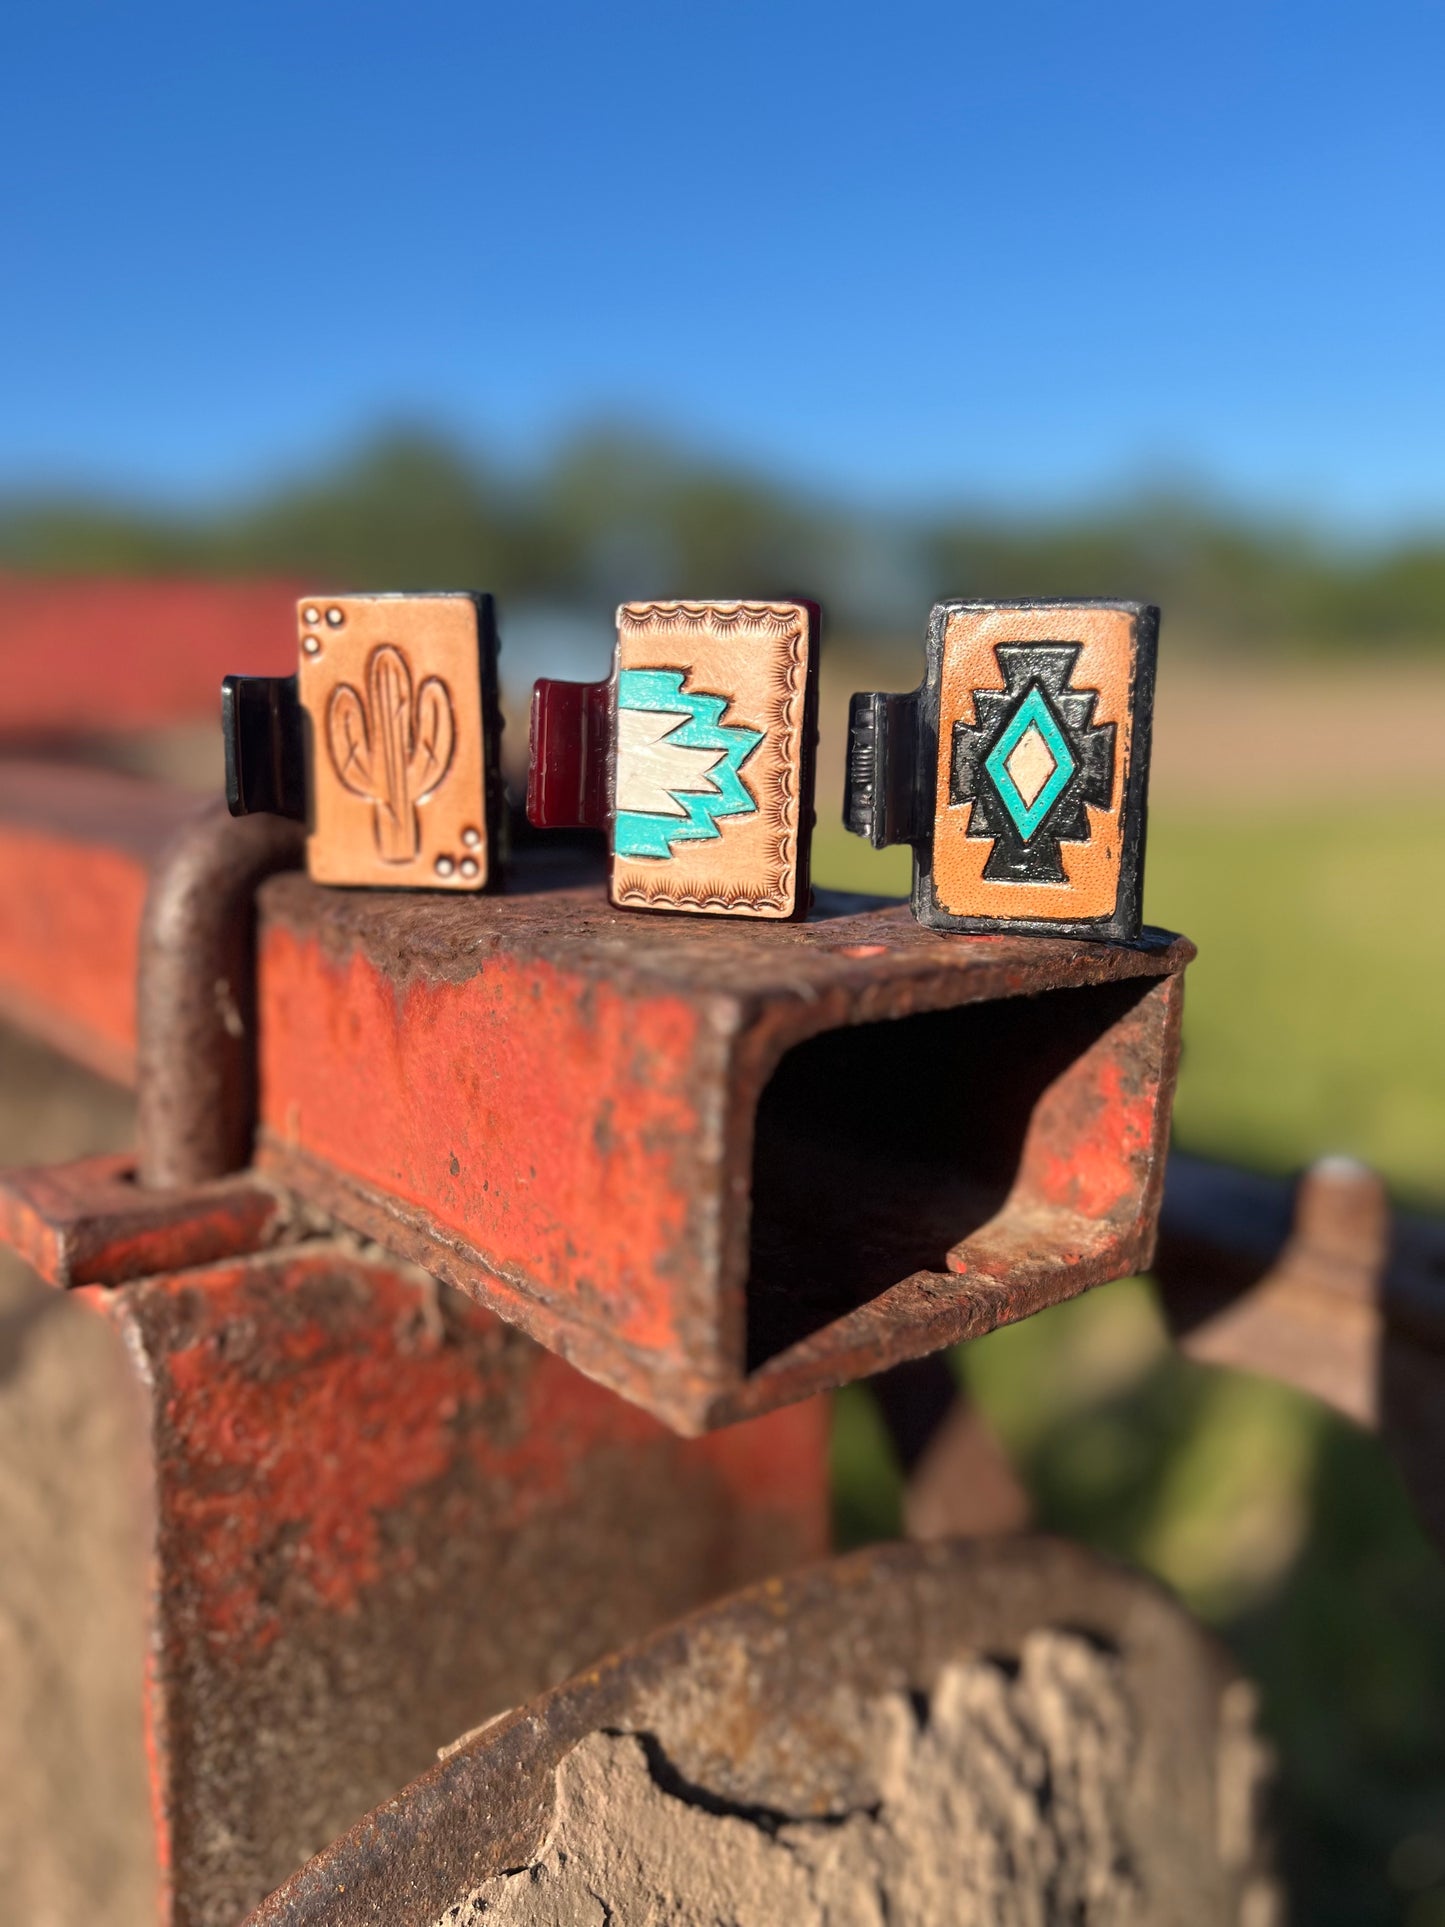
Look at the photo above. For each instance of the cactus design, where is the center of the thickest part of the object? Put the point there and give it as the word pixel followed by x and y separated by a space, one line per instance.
pixel 392 749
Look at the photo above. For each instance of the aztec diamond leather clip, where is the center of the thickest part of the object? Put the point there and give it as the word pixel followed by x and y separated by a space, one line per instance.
pixel 1019 769
pixel 696 756
pixel 385 742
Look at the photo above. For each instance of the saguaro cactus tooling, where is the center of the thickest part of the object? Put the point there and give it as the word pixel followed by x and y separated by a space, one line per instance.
pixel 392 749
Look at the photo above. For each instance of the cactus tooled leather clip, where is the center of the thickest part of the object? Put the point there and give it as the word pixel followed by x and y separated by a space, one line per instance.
pixel 385 742
pixel 1019 769
pixel 696 756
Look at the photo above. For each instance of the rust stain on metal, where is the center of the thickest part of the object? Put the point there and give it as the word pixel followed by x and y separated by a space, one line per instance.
pixel 306 1436
pixel 76 849
pixel 196 1018
pixel 381 1514
pixel 90 1223
pixel 615 1214
pixel 593 1176
pixel 282 1447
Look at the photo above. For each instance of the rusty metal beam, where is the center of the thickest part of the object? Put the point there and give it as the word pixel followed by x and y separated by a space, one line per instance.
pixel 196 1004
pixel 752 1163
pixel 718 1168
pixel 77 848
pixel 1319 1283
pixel 128 942
pixel 93 1223
pixel 715 1170
pixel 380 1515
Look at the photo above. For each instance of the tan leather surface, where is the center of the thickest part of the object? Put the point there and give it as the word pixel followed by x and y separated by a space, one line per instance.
pixel 757 655
pixel 1105 664
pixel 393 695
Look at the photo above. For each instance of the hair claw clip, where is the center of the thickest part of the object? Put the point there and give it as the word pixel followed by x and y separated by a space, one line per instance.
pixel 695 756
pixel 385 742
pixel 1019 769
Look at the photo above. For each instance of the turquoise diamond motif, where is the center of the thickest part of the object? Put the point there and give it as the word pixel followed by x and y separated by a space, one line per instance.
pixel 1032 713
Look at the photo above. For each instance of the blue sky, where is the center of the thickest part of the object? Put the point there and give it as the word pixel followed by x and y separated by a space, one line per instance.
pixel 1024 253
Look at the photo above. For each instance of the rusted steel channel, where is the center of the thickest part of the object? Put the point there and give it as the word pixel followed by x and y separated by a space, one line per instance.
pixel 752 1162
pixel 397 1029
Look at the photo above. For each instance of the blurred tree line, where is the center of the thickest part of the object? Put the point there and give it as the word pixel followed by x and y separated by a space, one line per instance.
pixel 613 516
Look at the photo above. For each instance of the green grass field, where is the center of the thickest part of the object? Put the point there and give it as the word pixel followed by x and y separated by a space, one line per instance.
pixel 1313 1023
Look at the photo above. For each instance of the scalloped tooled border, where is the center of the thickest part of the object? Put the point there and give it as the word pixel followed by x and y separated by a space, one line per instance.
pixel 785 714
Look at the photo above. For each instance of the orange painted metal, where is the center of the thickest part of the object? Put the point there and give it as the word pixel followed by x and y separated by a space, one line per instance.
pixel 597 1125
pixel 717 1168
pixel 91 1223
pixel 592 1177
pixel 381 1515
pixel 76 851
